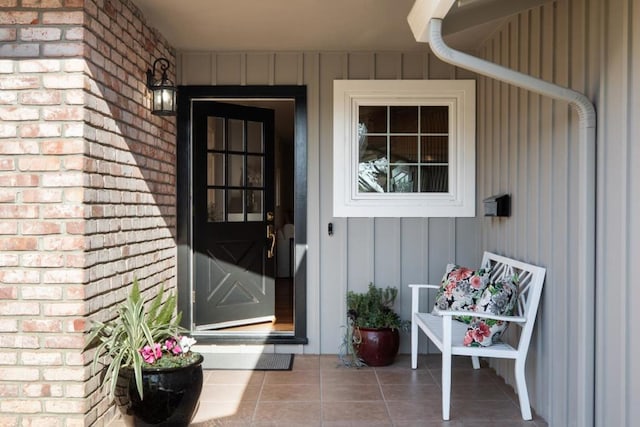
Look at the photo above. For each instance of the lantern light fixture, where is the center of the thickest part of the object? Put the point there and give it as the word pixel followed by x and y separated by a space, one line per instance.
pixel 163 91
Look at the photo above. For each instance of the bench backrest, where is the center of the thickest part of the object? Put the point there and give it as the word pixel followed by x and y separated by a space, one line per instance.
pixel 530 280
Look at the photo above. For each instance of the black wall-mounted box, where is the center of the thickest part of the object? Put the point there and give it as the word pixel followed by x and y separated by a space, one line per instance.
pixel 497 205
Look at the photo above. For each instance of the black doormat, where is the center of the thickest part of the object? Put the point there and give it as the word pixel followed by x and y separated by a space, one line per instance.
pixel 248 361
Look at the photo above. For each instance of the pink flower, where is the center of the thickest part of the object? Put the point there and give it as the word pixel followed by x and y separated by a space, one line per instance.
pixel 151 353
pixel 449 289
pixel 481 332
pixel 172 346
pixel 476 282
pixel 460 274
pixel 468 339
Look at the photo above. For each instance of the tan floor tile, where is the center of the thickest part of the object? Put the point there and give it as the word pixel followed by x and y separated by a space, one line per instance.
pixel 426 410
pixel 417 392
pixel 348 392
pixel 349 376
pixel 229 392
pixel 224 413
pixel 302 362
pixel 287 424
pixel 291 412
pixel 490 410
pixel 405 376
pixel 292 377
pixel 255 378
pixel 355 411
pixel 290 392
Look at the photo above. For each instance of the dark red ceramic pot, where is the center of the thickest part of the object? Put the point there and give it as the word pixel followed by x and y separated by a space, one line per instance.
pixel 378 346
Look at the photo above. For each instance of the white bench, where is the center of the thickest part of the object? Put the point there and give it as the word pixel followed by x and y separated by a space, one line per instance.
pixel 447 333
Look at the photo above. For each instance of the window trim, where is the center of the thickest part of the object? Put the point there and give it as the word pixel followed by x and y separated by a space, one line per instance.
pixel 458 95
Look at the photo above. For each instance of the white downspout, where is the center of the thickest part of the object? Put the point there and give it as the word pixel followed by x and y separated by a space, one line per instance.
pixel 584 357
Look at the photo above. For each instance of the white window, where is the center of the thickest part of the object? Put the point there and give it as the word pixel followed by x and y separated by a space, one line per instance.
pixel 404 148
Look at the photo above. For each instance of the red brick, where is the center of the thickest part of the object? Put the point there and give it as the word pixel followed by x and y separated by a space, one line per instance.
pixel 61 243
pixel 21 406
pixel 43 260
pixel 18 341
pixel 42 3
pixel 8 390
pixel 7 196
pixel 50 195
pixel 74 195
pixel 19 308
pixel 67 179
pixel 22 50
pixel 17 211
pixel 19 82
pixel 68 49
pixel 40 130
pixel 36 390
pixel 63 211
pixel 8 17
pixel 64 276
pixel 79 325
pixel 65 342
pixel 9 260
pixel 41 325
pixel 18 243
pixel 62 146
pixel 7 358
pixel 40 33
pixel 63 18
pixel 39 164
pixel 19 276
pixel 64 309
pixel 64 374
pixel 22 180
pixel 7 164
pixel 18 147
pixel 39 65
pixel 8 292
pixel 63 113
pixel 41 358
pixel 41 97
pixel 19 113
pixel 40 228
pixel 7 34
pixel 8 325
pixel 41 293
pixel 73 81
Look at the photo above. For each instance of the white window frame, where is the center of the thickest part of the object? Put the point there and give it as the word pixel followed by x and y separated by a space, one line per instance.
pixel 458 95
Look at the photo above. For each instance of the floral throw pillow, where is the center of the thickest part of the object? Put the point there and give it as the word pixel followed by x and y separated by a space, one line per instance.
pixel 460 288
pixel 497 298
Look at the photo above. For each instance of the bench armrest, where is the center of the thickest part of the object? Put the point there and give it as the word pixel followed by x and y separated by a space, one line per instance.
pixel 423 286
pixel 516 319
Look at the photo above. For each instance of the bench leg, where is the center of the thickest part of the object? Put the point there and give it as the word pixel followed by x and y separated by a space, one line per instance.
pixel 523 394
pixel 414 345
pixel 475 361
pixel 446 385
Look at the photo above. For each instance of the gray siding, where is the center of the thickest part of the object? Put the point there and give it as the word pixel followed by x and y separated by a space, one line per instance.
pixel 528 146
pixel 384 251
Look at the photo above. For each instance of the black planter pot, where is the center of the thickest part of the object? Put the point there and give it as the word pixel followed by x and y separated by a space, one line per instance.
pixel 170 395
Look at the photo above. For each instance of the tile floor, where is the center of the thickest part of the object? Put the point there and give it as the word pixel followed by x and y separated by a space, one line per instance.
pixel 318 391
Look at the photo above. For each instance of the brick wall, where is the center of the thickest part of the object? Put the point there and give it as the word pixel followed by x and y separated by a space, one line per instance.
pixel 87 195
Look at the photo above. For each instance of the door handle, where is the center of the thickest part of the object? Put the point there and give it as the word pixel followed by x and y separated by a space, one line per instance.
pixel 271 235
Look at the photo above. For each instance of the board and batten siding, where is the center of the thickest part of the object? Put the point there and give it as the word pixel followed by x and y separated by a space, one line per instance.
pixel 528 146
pixel 385 251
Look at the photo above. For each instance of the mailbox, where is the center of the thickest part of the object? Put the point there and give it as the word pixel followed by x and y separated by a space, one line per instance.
pixel 497 205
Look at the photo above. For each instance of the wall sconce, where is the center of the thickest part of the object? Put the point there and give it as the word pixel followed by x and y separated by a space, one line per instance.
pixel 163 91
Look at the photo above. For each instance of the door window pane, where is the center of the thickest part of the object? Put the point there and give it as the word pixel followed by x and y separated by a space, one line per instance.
pixel 254 137
pixel 254 205
pixel 404 179
pixel 434 149
pixel 372 176
pixel 215 205
pixel 215 169
pixel 254 171
pixel 236 135
pixel 236 170
pixel 373 148
pixel 215 133
pixel 434 179
pixel 236 206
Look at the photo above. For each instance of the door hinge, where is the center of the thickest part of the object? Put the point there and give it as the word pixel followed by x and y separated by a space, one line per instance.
pixel 193 297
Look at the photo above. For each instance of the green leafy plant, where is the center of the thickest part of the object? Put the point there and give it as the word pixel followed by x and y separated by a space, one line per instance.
pixel 372 309
pixel 139 338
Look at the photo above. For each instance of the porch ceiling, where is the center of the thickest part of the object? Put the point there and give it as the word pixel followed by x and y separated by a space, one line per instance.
pixel 323 25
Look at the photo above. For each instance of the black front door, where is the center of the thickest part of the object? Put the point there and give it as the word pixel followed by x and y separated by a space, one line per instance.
pixel 233 234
